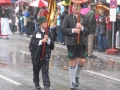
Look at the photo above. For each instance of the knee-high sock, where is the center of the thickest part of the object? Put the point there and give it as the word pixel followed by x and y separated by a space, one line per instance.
pixel 72 76
pixel 77 70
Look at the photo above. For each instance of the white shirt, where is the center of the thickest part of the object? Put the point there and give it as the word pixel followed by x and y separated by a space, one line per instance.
pixel 48 41
pixel 17 9
pixel 16 21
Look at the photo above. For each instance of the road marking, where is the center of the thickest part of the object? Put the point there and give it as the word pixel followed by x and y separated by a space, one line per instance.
pixel 24 52
pixel 102 75
pixel 9 80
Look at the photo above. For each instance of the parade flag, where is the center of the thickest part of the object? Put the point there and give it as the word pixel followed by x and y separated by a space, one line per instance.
pixel 51 8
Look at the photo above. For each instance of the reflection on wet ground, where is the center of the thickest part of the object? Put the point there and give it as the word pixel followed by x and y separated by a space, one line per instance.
pixel 17 66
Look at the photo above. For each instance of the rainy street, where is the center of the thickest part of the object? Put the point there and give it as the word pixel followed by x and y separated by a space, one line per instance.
pixel 16 73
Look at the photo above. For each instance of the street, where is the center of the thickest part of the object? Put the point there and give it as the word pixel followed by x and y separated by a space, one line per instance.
pixel 16 68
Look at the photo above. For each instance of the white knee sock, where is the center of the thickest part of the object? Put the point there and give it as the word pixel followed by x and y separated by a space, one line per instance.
pixel 77 70
pixel 72 76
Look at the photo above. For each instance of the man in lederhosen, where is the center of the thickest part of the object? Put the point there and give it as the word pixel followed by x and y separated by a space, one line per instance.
pixel 76 52
pixel 36 49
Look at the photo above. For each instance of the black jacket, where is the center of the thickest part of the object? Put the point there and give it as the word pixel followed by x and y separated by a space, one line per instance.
pixel 62 16
pixel 36 51
pixel 69 23
pixel 35 12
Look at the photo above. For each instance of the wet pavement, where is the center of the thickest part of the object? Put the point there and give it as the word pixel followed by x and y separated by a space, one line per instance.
pixel 16 73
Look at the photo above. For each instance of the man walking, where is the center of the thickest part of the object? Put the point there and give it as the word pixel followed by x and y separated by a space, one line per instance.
pixel 77 56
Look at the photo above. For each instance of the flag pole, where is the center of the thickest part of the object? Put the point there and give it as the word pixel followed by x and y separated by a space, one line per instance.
pixel 48 24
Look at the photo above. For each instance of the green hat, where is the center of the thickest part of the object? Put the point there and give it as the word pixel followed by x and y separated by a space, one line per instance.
pixel 42 19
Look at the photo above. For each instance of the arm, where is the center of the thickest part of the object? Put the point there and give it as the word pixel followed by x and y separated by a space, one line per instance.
pixel 86 29
pixel 50 41
pixel 65 27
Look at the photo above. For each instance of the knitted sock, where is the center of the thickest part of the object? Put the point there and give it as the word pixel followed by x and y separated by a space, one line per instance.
pixel 77 70
pixel 72 76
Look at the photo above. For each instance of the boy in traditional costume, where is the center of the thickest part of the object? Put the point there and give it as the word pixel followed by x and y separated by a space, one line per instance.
pixel 36 48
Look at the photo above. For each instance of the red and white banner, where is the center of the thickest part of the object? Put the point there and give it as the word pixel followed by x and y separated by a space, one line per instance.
pixel 4 27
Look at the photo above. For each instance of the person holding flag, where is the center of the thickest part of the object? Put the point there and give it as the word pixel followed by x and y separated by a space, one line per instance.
pixel 40 47
pixel 74 24
pixel 36 47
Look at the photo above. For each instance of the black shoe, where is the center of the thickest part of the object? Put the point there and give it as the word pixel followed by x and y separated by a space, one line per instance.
pixel 77 81
pixel 37 86
pixel 92 56
pixel 46 88
pixel 72 88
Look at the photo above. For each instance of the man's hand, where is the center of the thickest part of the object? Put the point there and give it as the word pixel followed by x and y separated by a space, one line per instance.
pixel 46 37
pixel 100 20
pixel 79 26
pixel 75 30
pixel 44 40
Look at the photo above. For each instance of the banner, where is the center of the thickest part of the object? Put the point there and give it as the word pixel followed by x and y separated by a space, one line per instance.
pixel 5 29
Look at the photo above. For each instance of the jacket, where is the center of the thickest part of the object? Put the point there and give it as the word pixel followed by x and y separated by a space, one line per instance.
pixel 69 23
pixel 92 21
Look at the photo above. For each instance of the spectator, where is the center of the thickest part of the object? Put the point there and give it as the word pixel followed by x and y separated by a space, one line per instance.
pixel 102 31
pixel 118 32
pixel 35 13
pixel 109 33
pixel 59 33
pixel 17 23
pixel 12 17
pixel 92 25
pixel 43 12
pixel 17 9
pixel 21 20
pixel 62 16
pixel 26 20
pixel 53 19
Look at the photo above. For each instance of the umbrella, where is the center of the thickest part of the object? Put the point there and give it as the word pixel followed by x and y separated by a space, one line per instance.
pixel 79 1
pixel 22 3
pixel 39 3
pixel 13 1
pixel 84 11
pixel 5 2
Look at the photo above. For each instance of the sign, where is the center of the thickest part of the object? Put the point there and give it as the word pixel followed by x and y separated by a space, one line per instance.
pixel 118 1
pixel 113 15
pixel 113 3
